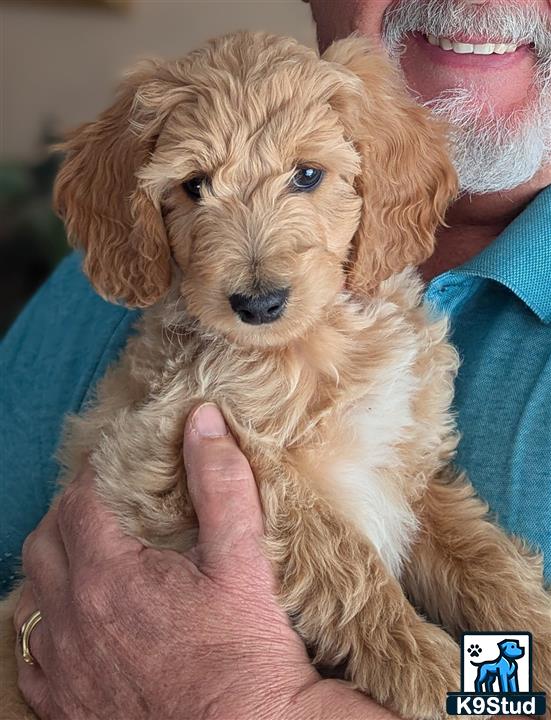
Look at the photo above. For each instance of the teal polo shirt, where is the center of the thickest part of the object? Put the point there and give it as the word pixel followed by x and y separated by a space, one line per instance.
pixel 499 306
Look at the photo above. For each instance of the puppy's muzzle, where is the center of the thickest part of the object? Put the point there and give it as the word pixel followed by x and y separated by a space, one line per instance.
pixel 260 309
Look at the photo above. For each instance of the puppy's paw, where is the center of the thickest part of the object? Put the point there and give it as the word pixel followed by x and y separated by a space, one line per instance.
pixel 428 675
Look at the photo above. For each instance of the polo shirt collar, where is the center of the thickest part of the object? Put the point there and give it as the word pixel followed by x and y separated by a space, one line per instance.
pixel 520 257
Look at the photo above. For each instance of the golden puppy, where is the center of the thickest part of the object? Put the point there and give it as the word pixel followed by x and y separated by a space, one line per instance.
pixel 264 205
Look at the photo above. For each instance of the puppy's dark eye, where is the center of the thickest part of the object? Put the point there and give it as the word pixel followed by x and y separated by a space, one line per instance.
pixel 193 186
pixel 306 178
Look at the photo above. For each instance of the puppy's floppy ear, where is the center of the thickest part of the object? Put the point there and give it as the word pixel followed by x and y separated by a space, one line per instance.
pixel 106 210
pixel 407 178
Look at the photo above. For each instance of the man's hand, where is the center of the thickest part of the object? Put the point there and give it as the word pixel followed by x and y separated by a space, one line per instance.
pixel 130 632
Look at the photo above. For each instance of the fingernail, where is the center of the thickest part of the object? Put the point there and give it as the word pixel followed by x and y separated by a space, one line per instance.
pixel 208 421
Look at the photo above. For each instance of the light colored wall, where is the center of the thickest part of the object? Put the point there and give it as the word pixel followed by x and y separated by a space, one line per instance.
pixel 62 63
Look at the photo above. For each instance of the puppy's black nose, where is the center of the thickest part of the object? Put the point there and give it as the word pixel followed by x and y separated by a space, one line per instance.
pixel 259 309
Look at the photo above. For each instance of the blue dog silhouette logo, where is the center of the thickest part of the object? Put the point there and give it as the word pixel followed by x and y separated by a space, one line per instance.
pixel 496 676
pixel 504 668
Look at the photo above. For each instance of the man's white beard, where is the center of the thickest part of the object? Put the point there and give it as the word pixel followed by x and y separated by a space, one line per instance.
pixel 496 153
pixel 493 154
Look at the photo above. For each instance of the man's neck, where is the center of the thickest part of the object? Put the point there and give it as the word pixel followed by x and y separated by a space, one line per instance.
pixel 474 221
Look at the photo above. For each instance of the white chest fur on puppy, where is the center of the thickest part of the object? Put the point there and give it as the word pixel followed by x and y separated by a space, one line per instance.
pixel 371 499
pixel 358 481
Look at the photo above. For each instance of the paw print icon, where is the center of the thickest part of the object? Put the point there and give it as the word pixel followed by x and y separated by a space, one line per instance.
pixel 474 650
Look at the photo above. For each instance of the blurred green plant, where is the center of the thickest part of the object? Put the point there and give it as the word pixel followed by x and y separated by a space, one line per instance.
pixel 32 237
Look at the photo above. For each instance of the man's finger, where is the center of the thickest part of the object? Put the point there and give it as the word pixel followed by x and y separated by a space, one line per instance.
pixel 26 606
pixel 89 530
pixel 44 559
pixel 33 685
pixel 222 488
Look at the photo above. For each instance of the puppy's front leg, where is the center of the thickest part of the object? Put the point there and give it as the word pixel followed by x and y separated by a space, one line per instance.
pixel 467 574
pixel 347 606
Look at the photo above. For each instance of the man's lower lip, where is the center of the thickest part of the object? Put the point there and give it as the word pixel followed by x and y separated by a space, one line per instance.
pixel 470 60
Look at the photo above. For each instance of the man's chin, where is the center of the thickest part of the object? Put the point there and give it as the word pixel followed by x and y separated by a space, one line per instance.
pixel 492 153
pixel 498 171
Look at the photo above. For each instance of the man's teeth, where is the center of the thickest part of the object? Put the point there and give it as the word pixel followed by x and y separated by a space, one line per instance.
pixel 472 48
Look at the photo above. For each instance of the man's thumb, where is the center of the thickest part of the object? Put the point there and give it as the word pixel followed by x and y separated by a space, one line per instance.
pixel 222 488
